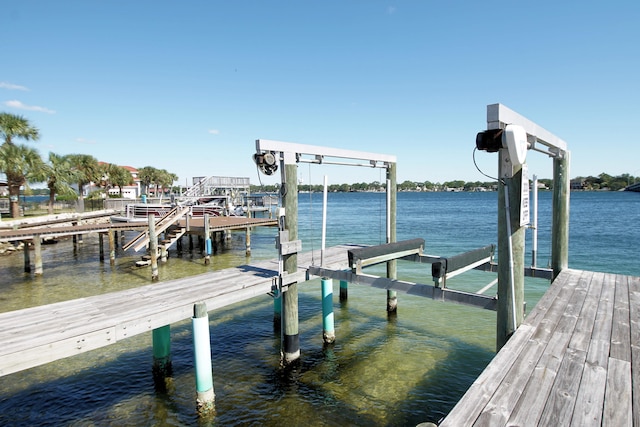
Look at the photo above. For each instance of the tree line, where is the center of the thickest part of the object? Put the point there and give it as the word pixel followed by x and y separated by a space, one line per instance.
pixel 22 165
pixel 590 183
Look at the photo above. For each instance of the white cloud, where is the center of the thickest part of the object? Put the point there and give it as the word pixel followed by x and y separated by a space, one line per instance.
pixel 10 86
pixel 19 105
pixel 391 10
pixel 85 141
pixel 214 131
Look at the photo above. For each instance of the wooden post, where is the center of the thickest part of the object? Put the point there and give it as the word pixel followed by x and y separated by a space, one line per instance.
pixel 510 253
pixel 205 395
pixel 392 266
pixel 560 221
pixel 27 257
pixel 101 246
pixel 112 247
pixel 207 240
pixel 328 330
pixel 162 367
pixel 37 249
pixel 164 253
pixel 290 335
pixel 247 237
pixel 153 247
pixel 344 290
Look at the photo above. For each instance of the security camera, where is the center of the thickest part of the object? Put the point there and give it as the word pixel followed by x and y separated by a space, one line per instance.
pixel 266 162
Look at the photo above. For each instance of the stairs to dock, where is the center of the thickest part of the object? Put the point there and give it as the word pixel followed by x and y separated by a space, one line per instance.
pixel 142 239
pixel 171 237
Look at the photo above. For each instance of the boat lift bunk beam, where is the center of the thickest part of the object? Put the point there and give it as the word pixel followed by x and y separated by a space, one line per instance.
pixel 411 250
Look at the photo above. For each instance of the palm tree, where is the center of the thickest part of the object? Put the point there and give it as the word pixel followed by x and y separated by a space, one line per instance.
pixel 21 164
pixel 147 175
pixel 87 170
pixel 59 175
pixel 14 126
pixel 116 176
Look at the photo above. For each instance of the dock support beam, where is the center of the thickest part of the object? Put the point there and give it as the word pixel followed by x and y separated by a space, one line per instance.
pixel 161 354
pixel 328 330
pixel 153 247
pixel 560 221
pixel 290 335
pixel 37 249
pixel 205 395
pixel 510 252
pixel 392 266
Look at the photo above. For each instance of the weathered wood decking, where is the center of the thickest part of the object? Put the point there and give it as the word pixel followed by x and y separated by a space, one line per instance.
pixel 575 361
pixel 39 335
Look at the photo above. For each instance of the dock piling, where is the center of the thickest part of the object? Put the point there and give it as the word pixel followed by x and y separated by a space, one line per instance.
pixel 560 220
pixel 27 257
pixel 153 247
pixel 205 394
pixel 290 333
pixel 207 239
pixel 328 330
pixel 344 290
pixel 112 247
pixel 392 266
pixel 511 235
pixel 37 249
pixel 162 367
pixel 101 246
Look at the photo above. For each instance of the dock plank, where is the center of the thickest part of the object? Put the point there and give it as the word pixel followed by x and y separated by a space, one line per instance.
pixel 38 335
pixel 574 361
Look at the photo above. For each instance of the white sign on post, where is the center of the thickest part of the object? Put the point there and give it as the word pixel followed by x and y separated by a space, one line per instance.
pixel 524 197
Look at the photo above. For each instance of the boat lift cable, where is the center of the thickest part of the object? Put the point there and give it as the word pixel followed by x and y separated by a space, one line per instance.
pixel 311 216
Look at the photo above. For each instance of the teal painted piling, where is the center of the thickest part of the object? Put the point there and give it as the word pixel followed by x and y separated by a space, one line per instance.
pixel 205 395
pixel 161 353
pixel 328 330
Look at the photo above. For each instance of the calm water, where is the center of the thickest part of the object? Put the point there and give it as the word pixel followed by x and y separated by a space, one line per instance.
pixel 380 372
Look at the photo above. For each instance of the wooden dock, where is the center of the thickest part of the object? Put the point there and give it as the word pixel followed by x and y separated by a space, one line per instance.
pixel 39 335
pixel 574 361
pixel 217 223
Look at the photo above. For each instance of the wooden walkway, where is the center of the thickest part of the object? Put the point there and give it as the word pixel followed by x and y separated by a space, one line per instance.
pixel 39 335
pixel 217 223
pixel 575 361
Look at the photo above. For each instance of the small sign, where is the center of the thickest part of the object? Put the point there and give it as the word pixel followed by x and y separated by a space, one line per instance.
pixel 525 207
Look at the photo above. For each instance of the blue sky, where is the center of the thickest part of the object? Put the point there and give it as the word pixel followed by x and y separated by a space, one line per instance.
pixel 189 86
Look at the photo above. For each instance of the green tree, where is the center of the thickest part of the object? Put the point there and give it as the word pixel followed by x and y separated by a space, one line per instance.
pixel 116 176
pixel 87 171
pixel 59 176
pixel 13 126
pixel 21 164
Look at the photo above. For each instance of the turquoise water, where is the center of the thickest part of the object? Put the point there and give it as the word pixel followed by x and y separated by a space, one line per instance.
pixel 380 372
